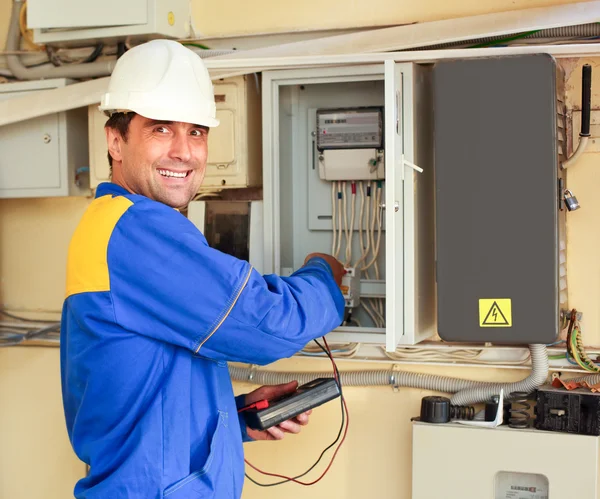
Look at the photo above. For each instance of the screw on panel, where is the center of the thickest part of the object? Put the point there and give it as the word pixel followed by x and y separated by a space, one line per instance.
pixel 47 138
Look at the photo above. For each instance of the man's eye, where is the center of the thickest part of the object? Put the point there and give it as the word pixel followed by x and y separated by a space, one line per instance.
pixel 161 129
pixel 197 133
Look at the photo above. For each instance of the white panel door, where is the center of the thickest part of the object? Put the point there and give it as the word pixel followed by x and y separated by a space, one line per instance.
pixel 394 206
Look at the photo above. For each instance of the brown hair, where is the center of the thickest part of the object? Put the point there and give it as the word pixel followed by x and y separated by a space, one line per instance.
pixel 120 122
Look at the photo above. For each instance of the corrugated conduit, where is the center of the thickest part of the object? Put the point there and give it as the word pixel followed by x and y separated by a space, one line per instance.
pixel 465 391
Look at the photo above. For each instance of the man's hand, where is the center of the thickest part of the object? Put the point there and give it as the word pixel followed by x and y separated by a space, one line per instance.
pixel 290 426
pixel 336 266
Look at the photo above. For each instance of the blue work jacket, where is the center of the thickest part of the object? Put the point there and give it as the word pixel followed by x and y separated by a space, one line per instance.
pixel 151 316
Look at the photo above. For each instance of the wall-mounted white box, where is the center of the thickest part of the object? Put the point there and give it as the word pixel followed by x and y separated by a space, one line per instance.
pixel 79 22
pixel 235 146
pixel 45 156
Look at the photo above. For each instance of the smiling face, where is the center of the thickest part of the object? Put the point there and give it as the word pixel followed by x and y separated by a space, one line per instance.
pixel 162 160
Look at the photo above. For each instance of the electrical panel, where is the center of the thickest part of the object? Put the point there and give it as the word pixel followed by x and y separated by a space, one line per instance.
pixel 45 156
pixel 235 146
pixel 500 218
pixel 336 182
pixel 501 463
pixel 78 22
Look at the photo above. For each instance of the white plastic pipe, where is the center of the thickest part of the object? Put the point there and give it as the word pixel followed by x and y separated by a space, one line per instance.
pixel 583 142
pixel 466 391
pixel 20 71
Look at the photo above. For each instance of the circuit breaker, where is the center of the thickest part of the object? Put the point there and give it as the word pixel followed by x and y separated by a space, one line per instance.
pixel 500 221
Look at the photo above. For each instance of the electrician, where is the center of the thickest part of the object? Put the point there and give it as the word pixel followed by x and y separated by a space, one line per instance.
pixel 152 314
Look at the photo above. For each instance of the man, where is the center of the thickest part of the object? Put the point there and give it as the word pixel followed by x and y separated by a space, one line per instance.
pixel 152 314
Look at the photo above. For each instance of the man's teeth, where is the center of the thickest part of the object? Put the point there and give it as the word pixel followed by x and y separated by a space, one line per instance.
pixel 167 173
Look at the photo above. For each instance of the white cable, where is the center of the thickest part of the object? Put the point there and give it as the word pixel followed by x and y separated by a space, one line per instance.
pixel 339 213
pixel 372 315
pixel 374 250
pixel 373 302
pixel 363 253
pixel 350 232
pixel 333 218
pixel 345 209
pixel 379 301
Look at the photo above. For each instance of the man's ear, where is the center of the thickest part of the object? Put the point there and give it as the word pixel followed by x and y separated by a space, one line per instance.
pixel 113 141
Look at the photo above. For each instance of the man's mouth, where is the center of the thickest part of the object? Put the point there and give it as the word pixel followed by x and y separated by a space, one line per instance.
pixel 175 174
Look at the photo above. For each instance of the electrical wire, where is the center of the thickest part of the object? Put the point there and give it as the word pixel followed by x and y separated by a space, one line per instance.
pixel 345 419
pixel 339 220
pixel 346 351
pixel 197 45
pixel 333 215
pixel 462 355
pixel 579 352
pixel 350 230
pixel 505 40
pixel 363 254
pixel 345 217
pixel 19 318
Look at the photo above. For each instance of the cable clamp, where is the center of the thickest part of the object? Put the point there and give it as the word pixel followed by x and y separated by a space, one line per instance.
pixel 394 377
pixel 253 369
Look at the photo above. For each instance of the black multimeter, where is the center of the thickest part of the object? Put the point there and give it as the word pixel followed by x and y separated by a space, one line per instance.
pixel 307 396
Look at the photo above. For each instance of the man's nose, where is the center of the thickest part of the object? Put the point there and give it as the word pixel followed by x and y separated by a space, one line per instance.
pixel 180 147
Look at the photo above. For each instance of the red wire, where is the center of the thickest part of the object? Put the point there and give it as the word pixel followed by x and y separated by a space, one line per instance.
pixel 337 448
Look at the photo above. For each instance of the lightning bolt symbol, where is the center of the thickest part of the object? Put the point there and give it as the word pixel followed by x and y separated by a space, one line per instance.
pixel 495 314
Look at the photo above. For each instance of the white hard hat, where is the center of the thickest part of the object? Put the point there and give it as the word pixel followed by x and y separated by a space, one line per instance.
pixel 162 80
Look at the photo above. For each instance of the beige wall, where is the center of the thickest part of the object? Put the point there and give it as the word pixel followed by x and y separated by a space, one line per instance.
pixel 214 19
pixel 35 457
pixel 268 16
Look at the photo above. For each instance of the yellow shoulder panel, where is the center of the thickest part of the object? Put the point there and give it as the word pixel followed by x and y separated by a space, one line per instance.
pixel 87 265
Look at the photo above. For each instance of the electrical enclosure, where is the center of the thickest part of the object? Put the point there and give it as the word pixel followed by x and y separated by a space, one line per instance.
pixel 46 156
pixel 306 211
pixel 234 147
pixel 500 223
pixel 79 22
pixel 501 463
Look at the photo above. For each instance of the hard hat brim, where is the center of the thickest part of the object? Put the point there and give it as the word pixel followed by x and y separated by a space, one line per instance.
pixel 165 115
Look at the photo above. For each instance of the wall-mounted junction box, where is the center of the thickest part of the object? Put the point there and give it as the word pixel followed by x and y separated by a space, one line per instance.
pixel 45 156
pixel 234 147
pixel 500 223
pixel 84 22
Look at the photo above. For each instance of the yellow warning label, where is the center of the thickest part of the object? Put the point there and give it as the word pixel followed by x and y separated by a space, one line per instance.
pixel 495 312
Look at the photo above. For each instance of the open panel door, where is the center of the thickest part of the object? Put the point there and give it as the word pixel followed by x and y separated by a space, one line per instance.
pixel 394 206
pixel 409 205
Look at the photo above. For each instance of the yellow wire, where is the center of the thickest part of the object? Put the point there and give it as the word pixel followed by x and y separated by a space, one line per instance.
pixel 579 353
